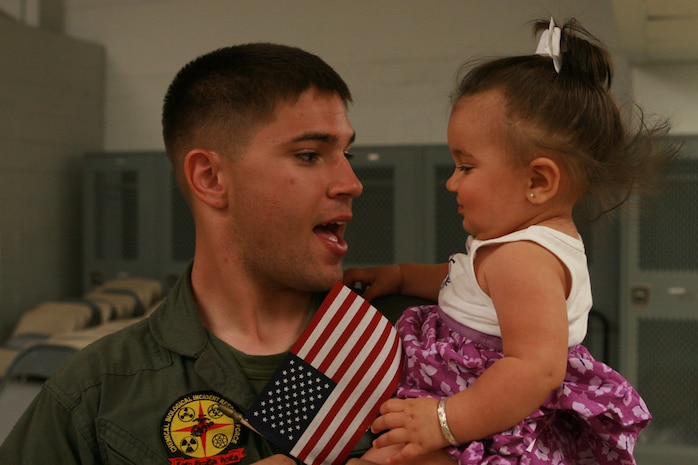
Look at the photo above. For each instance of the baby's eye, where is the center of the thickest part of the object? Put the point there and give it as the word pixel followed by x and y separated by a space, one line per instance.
pixel 349 156
pixel 465 168
pixel 307 157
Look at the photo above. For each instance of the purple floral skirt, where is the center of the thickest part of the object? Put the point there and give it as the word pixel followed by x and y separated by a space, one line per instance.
pixel 593 418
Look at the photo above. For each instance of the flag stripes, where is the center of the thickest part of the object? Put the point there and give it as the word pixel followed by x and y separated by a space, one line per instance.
pixel 354 345
pixel 355 407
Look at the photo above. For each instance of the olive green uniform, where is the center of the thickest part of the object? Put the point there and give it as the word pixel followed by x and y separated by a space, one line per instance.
pixel 148 394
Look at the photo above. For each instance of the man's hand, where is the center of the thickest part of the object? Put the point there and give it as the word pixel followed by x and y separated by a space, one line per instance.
pixel 277 459
pixel 375 457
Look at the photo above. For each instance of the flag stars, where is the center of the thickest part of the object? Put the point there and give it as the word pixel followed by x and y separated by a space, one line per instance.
pixel 291 402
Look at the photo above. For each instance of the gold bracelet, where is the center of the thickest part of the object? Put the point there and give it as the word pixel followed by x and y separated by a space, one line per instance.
pixel 441 413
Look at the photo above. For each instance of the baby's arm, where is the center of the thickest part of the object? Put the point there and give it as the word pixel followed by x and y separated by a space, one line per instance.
pixel 529 287
pixel 415 279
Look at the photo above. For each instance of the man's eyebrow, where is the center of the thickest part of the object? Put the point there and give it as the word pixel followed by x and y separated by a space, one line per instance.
pixel 322 137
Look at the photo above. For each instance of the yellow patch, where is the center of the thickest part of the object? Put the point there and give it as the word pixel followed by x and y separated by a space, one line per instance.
pixel 195 428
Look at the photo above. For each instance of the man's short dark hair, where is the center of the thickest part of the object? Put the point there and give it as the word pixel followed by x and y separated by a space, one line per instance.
pixel 219 97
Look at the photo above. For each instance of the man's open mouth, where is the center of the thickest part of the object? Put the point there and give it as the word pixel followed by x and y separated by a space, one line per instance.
pixel 331 231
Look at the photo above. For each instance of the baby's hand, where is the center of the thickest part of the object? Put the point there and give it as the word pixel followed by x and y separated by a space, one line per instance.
pixel 380 280
pixel 413 428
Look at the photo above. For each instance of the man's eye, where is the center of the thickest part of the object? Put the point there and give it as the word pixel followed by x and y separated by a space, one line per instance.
pixel 308 157
pixel 349 156
pixel 465 168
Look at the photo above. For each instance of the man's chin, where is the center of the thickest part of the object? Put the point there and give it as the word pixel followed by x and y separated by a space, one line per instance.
pixel 328 276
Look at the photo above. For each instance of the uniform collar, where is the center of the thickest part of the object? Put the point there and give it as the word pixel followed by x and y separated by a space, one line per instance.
pixel 176 324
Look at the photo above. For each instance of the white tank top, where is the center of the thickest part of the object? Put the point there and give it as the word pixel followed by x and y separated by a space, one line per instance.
pixel 462 299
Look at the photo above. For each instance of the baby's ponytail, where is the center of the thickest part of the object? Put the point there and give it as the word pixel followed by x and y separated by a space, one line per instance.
pixel 558 103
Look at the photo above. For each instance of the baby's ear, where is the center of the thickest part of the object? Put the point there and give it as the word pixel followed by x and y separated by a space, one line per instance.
pixel 544 180
pixel 203 171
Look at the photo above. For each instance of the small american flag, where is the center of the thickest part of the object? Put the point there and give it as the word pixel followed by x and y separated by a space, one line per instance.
pixel 327 392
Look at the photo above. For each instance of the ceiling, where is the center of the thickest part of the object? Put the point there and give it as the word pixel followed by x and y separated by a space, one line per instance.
pixel 658 31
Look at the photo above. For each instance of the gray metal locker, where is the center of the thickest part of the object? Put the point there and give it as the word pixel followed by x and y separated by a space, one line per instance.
pixel 396 216
pixel 135 221
pixel 660 312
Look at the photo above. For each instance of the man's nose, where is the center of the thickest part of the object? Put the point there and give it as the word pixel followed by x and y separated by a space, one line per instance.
pixel 347 182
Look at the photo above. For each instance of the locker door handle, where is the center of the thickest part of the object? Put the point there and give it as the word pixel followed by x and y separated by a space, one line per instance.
pixel 677 290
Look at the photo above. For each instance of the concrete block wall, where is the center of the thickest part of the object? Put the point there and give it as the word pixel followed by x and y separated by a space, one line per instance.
pixel 51 113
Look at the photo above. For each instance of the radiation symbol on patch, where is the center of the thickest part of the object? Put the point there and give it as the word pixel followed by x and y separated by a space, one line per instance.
pixel 195 427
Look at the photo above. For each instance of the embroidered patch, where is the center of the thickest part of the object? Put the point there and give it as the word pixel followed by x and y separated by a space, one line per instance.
pixel 195 428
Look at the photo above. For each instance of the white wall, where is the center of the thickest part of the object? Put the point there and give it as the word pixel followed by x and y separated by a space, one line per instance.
pixel 670 90
pixel 398 56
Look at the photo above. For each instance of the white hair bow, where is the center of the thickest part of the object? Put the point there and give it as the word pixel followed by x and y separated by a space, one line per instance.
pixel 549 45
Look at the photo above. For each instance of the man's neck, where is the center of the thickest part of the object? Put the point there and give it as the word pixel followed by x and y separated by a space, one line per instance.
pixel 254 320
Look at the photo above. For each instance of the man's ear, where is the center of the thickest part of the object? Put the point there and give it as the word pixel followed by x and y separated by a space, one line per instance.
pixel 203 171
pixel 544 181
